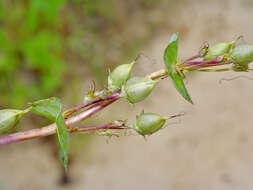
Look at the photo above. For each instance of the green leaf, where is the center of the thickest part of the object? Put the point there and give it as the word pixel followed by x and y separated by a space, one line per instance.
pixel 170 60
pixel 62 135
pixel 49 108
pixel 170 54
pixel 179 85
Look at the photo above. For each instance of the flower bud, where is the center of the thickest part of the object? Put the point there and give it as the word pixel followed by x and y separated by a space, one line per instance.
pixel 218 50
pixel 119 76
pixel 148 123
pixel 9 118
pixel 241 55
pixel 137 89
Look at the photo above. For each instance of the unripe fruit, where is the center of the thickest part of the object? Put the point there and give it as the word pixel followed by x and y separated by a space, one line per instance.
pixel 240 68
pixel 119 76
pixel 241 55
pixel 137 89
pixel 148 123
pixel 9 118
pixel 218 50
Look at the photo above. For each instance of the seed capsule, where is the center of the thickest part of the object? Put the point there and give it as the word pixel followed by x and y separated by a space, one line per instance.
pixel 148 123
pixel 218 50
pixel 241 55
pixel 9 118
pixel 137 89
pixel 240 68
pixel 119 76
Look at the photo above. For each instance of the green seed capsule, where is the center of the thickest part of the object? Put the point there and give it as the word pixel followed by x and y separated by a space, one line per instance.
pixel 240 68
pixel 218 50
pixel 148 123
pixel 9 118
pixel 137 89
pixel 119 76
pixel 241 55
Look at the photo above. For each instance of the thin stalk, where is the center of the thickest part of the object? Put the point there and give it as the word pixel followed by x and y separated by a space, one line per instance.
pixel 155 75
pixel 214 70
pixel 119 126
pixel 191 58
pixel 96 106
pixel 158 74
pixel 201 64
pixel 88 103
pixel 174 116
pixel 51 129
pixel 202 52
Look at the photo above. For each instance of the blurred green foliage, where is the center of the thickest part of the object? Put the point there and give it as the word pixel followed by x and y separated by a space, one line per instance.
pixel 48 45
pixel 31 54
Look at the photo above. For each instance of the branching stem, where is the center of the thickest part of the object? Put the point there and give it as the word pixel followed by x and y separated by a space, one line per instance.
pixel 51 129
pixel 95 104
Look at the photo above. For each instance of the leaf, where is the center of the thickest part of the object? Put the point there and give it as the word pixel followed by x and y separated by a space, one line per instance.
pixel 62 135
pixel 170 60
pixel 170 54
pixel 179 85
pixel 49 108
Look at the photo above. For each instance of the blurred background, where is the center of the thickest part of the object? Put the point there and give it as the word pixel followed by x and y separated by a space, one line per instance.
pixel 58 47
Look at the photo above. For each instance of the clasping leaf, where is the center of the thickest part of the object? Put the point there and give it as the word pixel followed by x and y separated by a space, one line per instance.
pixel 51 108
pixel 170 60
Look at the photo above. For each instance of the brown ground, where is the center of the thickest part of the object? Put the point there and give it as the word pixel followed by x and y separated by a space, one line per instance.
pixel 209 149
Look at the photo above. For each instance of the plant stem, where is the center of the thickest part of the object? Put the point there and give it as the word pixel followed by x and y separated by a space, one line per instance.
pixel 51 129
pixel 96 106
pixel 191 58
pixel 157 74
pixel 201 64
pixel 119 125
pixel 95 100
pixel 67 113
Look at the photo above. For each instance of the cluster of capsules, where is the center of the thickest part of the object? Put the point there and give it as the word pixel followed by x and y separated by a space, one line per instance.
pixel 136 89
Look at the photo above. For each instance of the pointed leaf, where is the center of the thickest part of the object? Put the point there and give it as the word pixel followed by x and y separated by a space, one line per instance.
pixel 170 54
pixel 179 85
pixel 170 60
pixel 51 108
pixel 62 135
pixel 48 107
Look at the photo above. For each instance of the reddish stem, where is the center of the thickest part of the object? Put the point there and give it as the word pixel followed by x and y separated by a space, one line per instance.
pixel 202 64
pixel 96 106
pixel 107 126
pixel 191 58
pixel 95 100
pixel 51 129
